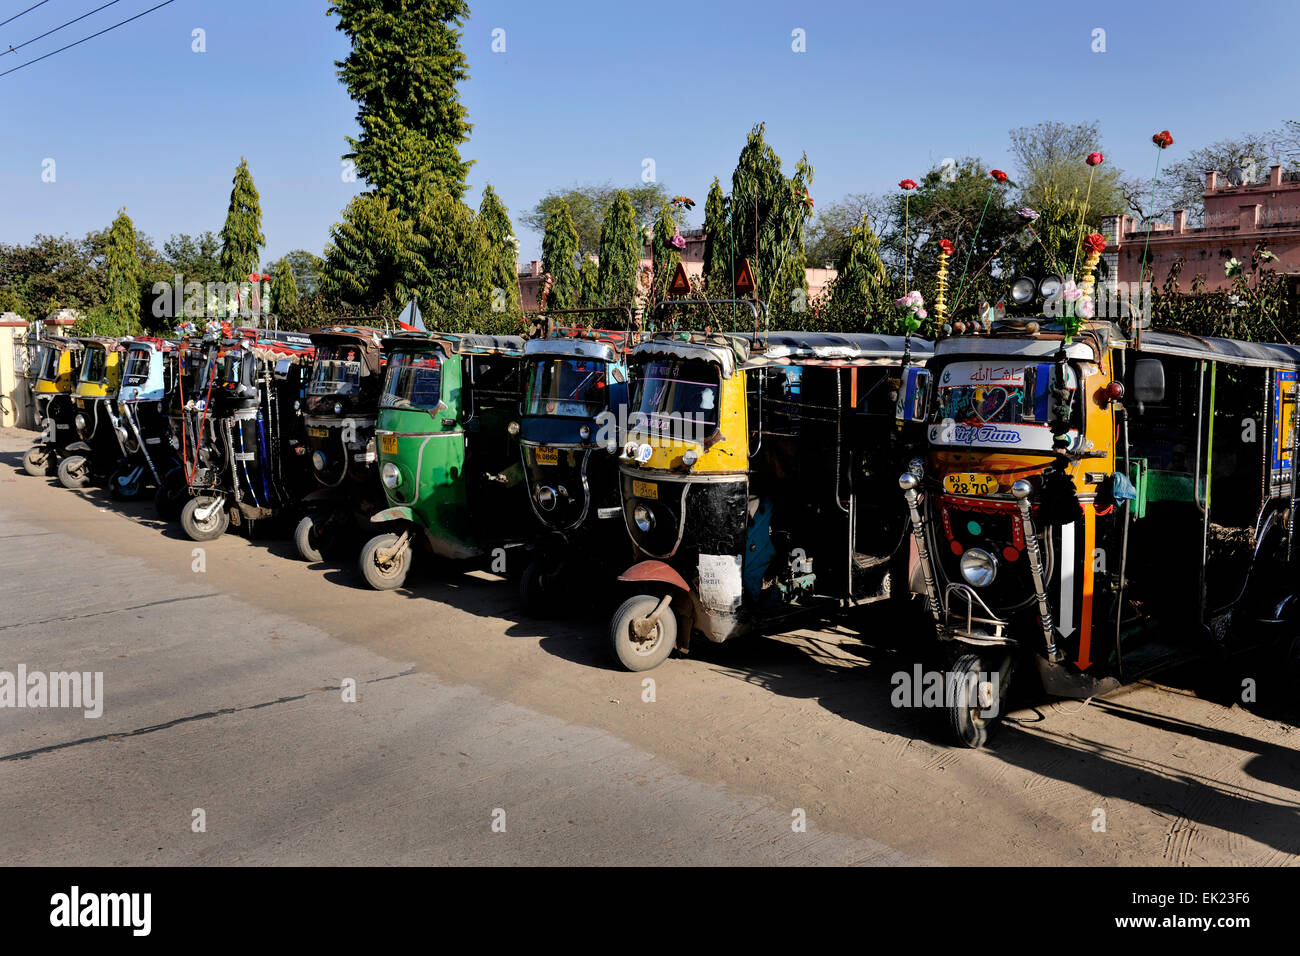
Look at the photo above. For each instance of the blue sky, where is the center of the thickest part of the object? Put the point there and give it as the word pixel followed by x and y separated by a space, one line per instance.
pixel 588 90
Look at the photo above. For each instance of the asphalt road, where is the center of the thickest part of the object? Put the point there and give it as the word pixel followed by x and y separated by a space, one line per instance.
pixel 478 735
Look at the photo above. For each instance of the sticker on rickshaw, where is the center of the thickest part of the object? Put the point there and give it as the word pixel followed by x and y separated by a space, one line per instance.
pixel 388 444
pixel 966 483
pixel 318 432
pixel 548 456
pixel 645 489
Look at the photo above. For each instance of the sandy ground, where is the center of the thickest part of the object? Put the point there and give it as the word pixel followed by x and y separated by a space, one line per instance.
pixel 223 693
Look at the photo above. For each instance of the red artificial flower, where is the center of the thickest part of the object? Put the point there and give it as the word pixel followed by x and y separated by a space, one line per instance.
pixel 946 246
pixel 907 184
pixel 1095 242
pixel 998 174
pixel 1163 139
pixel 1095 159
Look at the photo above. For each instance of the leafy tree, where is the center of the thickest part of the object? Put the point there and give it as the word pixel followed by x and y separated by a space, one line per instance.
pixel 241 236
pixel 1182 184
pixel 451 264
pixel 560 258
pixel 717 243
pixel 195 258
pixel 284 290
pixel 588 204
pixel 1050 157
pixel 829 232
pixel 503 248
pixel 402 71
pixel 861 296
pixel 371 254
pixel 53 272
pixel 306 268
pixel 589 284
pixel 664 256
pixel 124 274
pixel 620 253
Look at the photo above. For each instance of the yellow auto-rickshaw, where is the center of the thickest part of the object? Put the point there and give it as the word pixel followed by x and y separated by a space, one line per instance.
pixel 97 451
pixel 60 367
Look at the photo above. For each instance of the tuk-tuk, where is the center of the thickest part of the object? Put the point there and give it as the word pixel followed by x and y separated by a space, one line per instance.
pixel 96 452
pixel 1102 506
pixel 60 367
pixel 247 459
pixel 756 483
pixel 574 406
pixel 142 425
pixel 184 365
pixel 449 466
pixel 339 412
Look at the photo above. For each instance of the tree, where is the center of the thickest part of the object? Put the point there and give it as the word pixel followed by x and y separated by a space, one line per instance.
pixel 503 251
pixel 1182 184
pixel 1050 156
pixel 122 265
pixel 828 235
pixel 620 253
pixel 588 204
pixel 284 290
pixel 664 256
pixel 306 268
pixel 403 70
pixel 861 295
pixel 589 284
pixel 451 265
pixel 241 236
pixel 717 243
pixel 371 255
pixel 194 258
pixel 560 258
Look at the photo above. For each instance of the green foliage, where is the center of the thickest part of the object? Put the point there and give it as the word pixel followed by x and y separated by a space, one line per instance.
pixel 306 268
pixel 588 204
pixel 241 236
pixel 717 243
pixel 828 234
pixel 52 273
pixel 371 255
pixel 1050 166
pixel 284 290
pixel 620 253
pixel 589 284
pixel 195 258
pixel 560 258
pixel 1259 307
pixel 502 250
pixel 451 264
pixel 124 273
pixel 663 254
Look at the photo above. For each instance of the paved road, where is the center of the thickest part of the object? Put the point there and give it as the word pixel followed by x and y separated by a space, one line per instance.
pixel 225 674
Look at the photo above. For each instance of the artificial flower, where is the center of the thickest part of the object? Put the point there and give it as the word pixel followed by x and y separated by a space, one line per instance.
pixel 678 241
pixel 998 174
pixel 907 184
pixel 945 245
pixel 1095 242
pixel 1163 139
pixel 1095 159
pixel 1027 213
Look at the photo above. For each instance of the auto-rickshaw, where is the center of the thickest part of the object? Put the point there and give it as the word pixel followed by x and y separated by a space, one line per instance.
pixel 449 466
pixel 142 424
pixel 1098 505
pixel 575 403
pixel 96 452
pixel 60 367
pixel 339 411
pixel 185 364
pixel 245 454
pixel 755 483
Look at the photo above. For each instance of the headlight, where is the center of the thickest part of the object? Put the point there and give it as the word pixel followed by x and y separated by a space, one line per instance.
pixel 297 405
pixel 513 429
pixel 690 457
pixel 545 498
pixel 338 408
pixel 174 441
pixel 584 432
pixel 978 567
pixel 389 475
pixel 1022 290
pixel 643 517
pixel 79 421
pixel 318 460
pixel 644 453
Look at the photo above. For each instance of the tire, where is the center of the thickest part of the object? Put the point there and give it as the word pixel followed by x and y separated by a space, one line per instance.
pixel 36 462
pixel 539 597
pixel 967 722
pixel 209 530
pixel 171 496
pixel 379 577
pixel 126 492
pixel 636 654
pixel 307 540
pixel 74 472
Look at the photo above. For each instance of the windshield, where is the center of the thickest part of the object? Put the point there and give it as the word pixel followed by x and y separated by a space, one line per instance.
pixel 413 380
pixel 137 366
pixel 50 362
pixel 999 404
pixel 213 367
pixel 566 387
pixel 230 374
pixel 95 368
pixel 678 398
pixel 337 371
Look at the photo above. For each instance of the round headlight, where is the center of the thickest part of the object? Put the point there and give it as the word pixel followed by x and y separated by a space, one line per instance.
pixel 644 517
pixel 978 567
pixel 297 405
pixel 318 460
pixel 1022 290
pixel 175 441
pixel 584 432
pixel 1050 287
pixel 690 457
pixel 389 475
pixel 338 408
pixel 513 429
pixel 643 453
pixel 545 498
pixel 79 421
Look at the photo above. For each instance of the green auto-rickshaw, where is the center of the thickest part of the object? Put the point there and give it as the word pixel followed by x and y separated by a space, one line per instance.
pixel 448 461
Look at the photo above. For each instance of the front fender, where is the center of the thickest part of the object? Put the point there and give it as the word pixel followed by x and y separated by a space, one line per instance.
pixel 657 571
pixel 78 446
pixel 400 513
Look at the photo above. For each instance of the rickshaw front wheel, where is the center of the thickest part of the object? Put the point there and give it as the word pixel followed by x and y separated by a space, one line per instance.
pixel 74 472
pixel 36 462
pixel 968 695
pixel 380 574
pixel 204 529
pixel 131 488
pixel 638 646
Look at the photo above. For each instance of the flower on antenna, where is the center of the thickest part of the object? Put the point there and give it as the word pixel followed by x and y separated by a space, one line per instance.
pixel 945 246
pixel 1163 139
pixel 1027 213
pixel 907 185
pixel 999 175
pixel 1095 242
pixel 1095 159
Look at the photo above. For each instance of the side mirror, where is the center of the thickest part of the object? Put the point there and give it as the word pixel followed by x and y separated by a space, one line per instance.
pixel 282 367
pixel 1149 380
pixel 913 396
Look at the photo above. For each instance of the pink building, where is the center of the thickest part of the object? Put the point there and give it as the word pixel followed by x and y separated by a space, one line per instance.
pixel 1236 218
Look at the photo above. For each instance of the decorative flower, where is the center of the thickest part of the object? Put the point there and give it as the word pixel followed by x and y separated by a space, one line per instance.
pixel 1163 139
pixel 1070 292
pixel 945 245
pixel 1095 159
pixel 911 301
pixel 678 241
pixel 921 314
pixel 1084 308
pixel 907 184
pixel 998 174
pixel 1095 242
pixel 801 196
pixel 1232 267
pixel 1027 213
pixel 683 202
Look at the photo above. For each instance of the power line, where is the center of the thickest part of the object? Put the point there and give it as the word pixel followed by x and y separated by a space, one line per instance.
pixel 15 49
pixel 28 10
pixel 14 69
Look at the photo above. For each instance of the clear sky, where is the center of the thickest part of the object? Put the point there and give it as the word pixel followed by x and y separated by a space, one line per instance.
pixel 586 91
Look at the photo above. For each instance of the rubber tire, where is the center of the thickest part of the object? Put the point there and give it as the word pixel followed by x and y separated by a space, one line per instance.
pixel 304 539
pixel 126 493
pixel 216 527
pixel 74 472
pixel 37 462
pixel 171 496
pixel 627 649
pixel 969 728
pixel 377 577
pixel 537 600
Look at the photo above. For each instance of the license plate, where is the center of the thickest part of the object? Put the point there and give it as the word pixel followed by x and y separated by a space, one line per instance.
pixel 388 444
pixel 645 489
pixel 965 483
pixel 548 456
pixel 318 432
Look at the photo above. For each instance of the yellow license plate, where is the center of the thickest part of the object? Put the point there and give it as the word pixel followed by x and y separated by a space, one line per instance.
pixel 965 483
pixel 318 432
pixel 645 489
pixel 388 444
pixel 548 456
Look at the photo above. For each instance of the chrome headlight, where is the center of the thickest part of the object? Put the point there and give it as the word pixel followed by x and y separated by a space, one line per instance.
pixel 297 405
pixel 79 421
pixel 978 567
pixel 389 475
pixel 513 429
pixel 545 498
pixel 338 408
pixel 318 460
pixel 643 517
pixel 175 441
pixel 584 432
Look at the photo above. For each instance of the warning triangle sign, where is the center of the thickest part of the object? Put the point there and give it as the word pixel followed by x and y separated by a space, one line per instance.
pixel 680 284
pixel 744 279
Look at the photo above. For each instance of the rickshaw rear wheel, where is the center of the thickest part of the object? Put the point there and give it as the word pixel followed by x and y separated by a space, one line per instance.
pixel 964 715
pixel 74 472
pixel 198 530
pixel 36 462
pixel 131 489
pixel 313 538
pixel 384 576
pixel 642 654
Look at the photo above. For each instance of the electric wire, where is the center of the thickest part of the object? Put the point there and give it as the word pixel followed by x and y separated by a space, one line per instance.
pixel 15 49
pixel 28 10
pixel 45 56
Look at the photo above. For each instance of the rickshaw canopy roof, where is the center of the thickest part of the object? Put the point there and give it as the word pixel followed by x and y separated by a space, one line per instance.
pixel 1212 349
pixel 368 340
pixel 835 348
pixel 570 348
